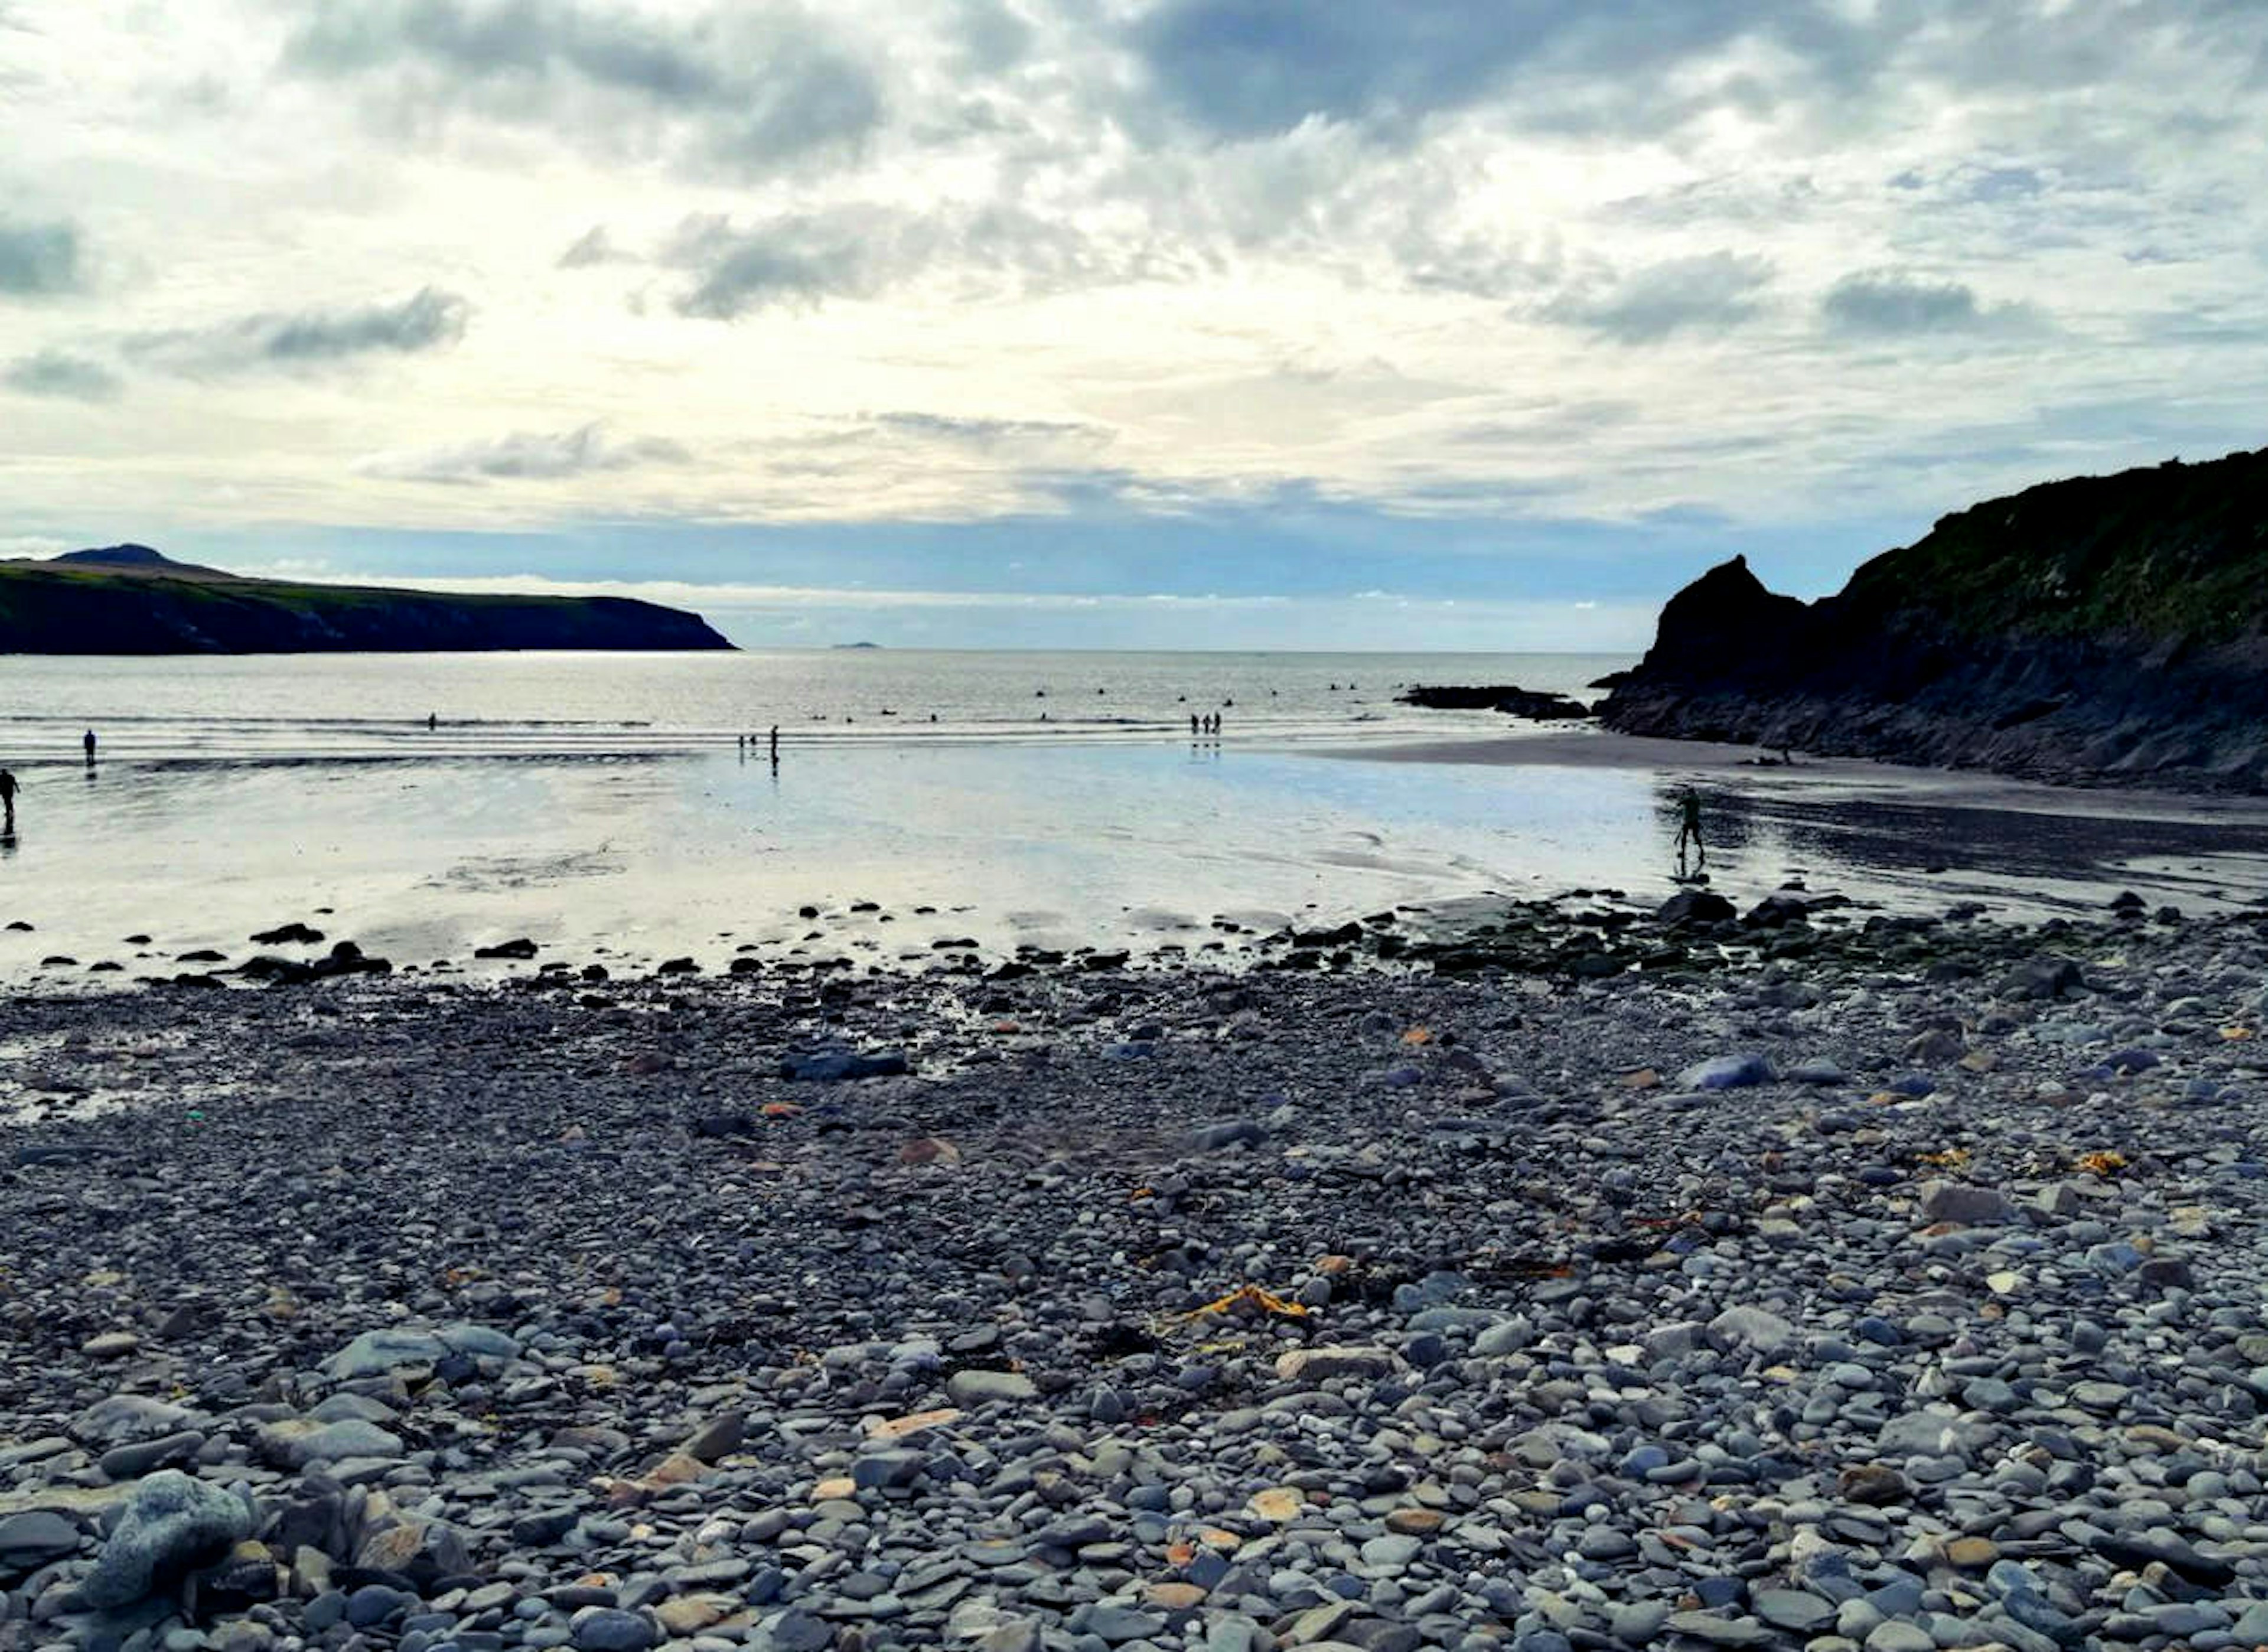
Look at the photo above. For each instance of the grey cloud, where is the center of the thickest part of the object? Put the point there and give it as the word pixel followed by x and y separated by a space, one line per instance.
pixel 1705 294
pixel 527 455
pixel 592 247
pixel 794 260
pixel 748 89
pixel 39 260
pixel 854 251
pixel 53 372
pixel 1888 302
pixel 994 37
pixel 428 320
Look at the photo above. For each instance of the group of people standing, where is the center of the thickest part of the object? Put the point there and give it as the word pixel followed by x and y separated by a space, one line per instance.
pixel 1207 726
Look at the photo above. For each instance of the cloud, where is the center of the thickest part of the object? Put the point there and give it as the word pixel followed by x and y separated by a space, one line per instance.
pixel 1705 294
pixel 989 432
pixel 1886 302
pixel 794 260
pixel 993 37
pixel 1243 68
pixel 39 260
pixel 429 318
pixel 592 247
pixel 743 89
pixel 857 250
pixel 525 455
pixel 53 372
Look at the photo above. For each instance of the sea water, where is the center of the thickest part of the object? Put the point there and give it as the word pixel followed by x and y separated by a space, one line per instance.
pixel 611 806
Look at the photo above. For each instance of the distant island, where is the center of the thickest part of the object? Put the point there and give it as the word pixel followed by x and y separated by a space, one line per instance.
pixel 2101 629
pixel 843 646
pixel 131 599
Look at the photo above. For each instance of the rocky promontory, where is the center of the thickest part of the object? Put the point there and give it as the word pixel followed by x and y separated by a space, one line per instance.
pixel 2102 629
pixel 131 599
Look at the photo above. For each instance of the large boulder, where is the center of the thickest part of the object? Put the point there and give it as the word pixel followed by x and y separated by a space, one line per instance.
pixel 170 1523
pixel 297 1442
pixel 416 1348
pixel 125 1419
pixel 1694 906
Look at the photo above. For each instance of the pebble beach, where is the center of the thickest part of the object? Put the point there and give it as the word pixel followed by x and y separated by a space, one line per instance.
pixel 1607 1278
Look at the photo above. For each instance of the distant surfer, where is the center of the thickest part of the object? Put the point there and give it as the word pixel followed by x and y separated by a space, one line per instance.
pixel 1689 828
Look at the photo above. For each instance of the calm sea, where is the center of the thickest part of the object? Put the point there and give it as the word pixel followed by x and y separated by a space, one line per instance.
pixel 562 704
pixel 605 805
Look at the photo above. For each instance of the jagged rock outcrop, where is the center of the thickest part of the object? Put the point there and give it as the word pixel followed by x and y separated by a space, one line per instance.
pixel 1509 698
pixel 2102 629
pixel 131 599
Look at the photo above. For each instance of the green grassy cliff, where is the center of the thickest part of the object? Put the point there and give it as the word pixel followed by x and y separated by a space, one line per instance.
pixel 130 600
pixel 2104 628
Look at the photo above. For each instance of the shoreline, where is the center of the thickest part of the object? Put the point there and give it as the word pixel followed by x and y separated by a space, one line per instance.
pixel 1893 1275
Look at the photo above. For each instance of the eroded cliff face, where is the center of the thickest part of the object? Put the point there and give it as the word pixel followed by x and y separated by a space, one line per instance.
pixel 2105 629
pixel 107 603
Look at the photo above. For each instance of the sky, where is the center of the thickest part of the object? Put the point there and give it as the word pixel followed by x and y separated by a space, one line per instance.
pixel 1184 323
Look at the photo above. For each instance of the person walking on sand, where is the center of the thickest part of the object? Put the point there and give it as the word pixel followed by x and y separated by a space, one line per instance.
pixel 1688 827
pixel 89 743
pixel 8 799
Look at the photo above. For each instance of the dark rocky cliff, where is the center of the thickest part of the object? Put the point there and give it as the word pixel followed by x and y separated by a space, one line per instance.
pixel 130 600
pixel 2102 629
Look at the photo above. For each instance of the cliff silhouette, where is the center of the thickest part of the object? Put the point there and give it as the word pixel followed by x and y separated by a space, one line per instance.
pixel 2103 628
pixel 131 599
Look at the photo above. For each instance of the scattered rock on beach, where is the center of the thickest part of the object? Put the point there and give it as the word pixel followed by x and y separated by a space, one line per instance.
pixel 572 1319
pixel 291 934
pixel 830 1066
pixel 169 1522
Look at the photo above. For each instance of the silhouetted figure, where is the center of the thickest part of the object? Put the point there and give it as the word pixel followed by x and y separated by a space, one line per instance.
pixel 1689 828
pixel 88 742
pixel 1194 730
pixel 8 799
pixel 432 721
pixel 775 742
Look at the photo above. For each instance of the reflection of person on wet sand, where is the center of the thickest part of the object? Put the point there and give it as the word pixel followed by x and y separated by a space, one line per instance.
pixel 1688 829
